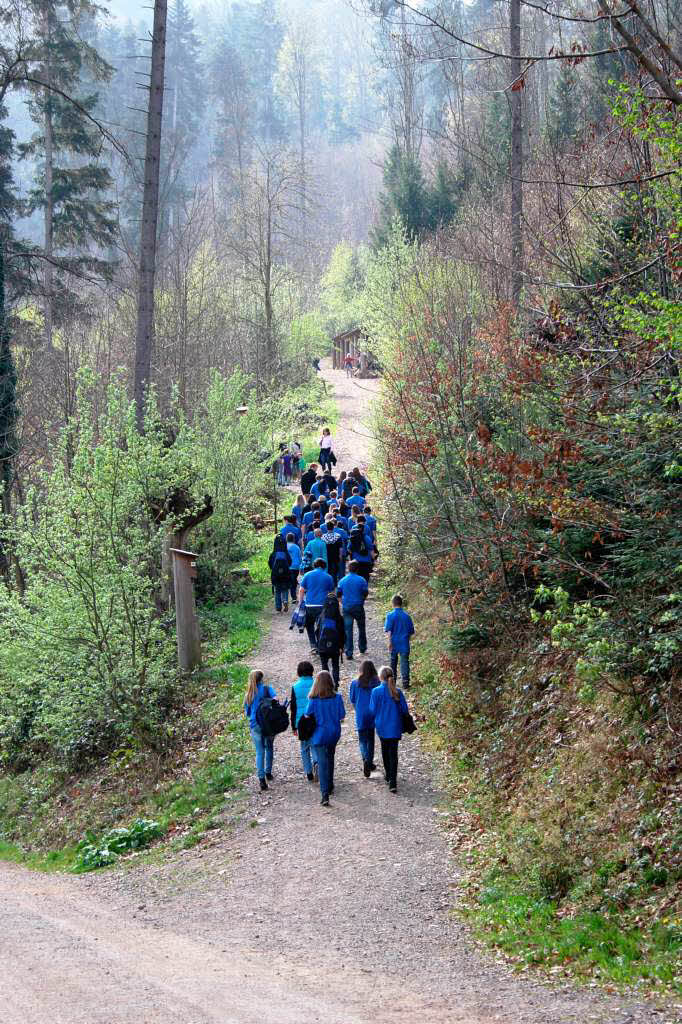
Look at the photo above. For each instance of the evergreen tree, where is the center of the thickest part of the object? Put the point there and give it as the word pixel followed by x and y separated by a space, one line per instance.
pixel 408 195
pixel 563 114
pixel 70 184
pixel 444 196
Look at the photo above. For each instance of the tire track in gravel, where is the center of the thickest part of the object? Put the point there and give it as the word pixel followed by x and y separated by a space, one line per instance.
pixel 294 913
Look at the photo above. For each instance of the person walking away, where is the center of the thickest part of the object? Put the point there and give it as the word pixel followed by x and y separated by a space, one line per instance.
pixel 291 526
pixel 315 548
pixel 371 527
pixel 255 692
pixel 353 589
pixel 298 705
pixel 334 545
pixel 356 499
pixel 348 365
pixel 330 637
pixel 400 628
pixel 286 467
pixel 359 696
pixel 326 449
pixel 296 453
pixel 294 552
pixel 297 509
pixel 361 482
pixel 328 710
pixel 308 478
pixel 280 566
pixel 329 481
pixel 314 588
pixel 388 705
pixel 360 552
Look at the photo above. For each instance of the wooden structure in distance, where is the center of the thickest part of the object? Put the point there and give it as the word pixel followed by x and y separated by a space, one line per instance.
pixel 349 343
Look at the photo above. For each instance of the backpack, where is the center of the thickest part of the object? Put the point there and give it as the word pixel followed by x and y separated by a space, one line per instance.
pixel 272 717
pixel 280 568
pixel 306 727
pixel 306 561
pixel 328 638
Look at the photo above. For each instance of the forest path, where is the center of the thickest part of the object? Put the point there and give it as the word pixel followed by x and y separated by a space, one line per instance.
pixel 295 913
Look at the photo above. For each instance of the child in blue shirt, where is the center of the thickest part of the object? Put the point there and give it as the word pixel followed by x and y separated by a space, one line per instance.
pixel 255 693
pixel 296 557
pixel 328 710
pixel 359 696
pixel 298 705
pixel 400 628
pixel 388 705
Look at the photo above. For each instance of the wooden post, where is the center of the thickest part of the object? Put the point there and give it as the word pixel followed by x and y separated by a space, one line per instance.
pixel 187 623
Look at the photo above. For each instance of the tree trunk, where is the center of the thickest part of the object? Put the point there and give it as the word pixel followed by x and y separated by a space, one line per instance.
pixel 150 213
pixel 516 153
pixel 48 246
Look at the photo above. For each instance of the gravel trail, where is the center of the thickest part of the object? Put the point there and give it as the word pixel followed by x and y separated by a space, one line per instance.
pixel 295 913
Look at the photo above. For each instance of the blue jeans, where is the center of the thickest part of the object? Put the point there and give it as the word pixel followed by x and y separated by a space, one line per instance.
pixel 351 615
pixel 404 666
pixel 281 595
pixel 264 751
pixel 307 757
pixel 366 744
pixel 325 766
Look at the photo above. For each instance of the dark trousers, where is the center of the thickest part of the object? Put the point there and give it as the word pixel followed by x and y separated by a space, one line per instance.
pixel 364 569
pixel 312 614
pixel 334 658
pixel 404 666
pixel 293 582
pixel 325 766
pixel 389 755
pixel 351 615
pixel 325 458
pixel 366 744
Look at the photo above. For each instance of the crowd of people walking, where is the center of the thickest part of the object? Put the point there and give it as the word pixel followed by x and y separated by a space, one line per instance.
pixel 321 564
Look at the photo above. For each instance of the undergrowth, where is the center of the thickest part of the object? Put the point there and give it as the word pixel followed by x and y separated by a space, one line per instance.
pixel 50 820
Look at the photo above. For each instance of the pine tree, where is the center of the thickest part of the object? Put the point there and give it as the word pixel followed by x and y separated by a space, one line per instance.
pixel 563 112
pixel 70 184
pixel 405 195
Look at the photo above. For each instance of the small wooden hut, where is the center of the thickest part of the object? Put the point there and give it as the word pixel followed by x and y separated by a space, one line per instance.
pixel 350 342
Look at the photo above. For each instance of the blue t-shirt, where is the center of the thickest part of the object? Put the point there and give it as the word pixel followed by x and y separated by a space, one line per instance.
pixel 308 518
pixel 292 528
pixel 317 584
pixel 359 697
pixel 388 713
pixel 264 690
pixel 297 513
pixel 355 499
pixel 316 548
pixel 296 556
pixel 329 712
pixel 302 688
pixel 399 624
pixel 370 523
pixel 353 589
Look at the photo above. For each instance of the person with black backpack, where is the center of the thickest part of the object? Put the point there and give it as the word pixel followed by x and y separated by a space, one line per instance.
pixel 330 636
pixel 334 544
pixel 326 709
pixel 256 692
pixel 280 573
pixel 360 552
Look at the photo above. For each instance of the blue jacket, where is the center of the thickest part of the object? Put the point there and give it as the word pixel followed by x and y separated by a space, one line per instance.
pixel 353 589
pixel 316 548
pixel 295 555
pixel 292 528
pixel 401 627
pixel 329 713
pixel 264 690
pixel 388 713
pixel 359 697
pixel 299 699
pixel 317 584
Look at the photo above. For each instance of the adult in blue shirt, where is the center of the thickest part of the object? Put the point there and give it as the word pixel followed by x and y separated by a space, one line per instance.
pixel 327 708
pixel 319 487
pixel 310 514
pixel 291 526
pixel 388 705
pixel 296 557
pixel 400 628
pixel 356 499
pixel 370 521
pixel 298 706
pixel 255 693
pixel 315 585
pixel 353 589
pixel 359 696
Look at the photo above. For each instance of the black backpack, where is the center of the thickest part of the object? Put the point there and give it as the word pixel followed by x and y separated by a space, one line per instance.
pixel 306 727
pixel 328 637
pixel 272 717
pixel 280 567
pixel 358 544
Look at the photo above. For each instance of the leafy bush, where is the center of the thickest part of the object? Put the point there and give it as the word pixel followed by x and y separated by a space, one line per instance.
pixel 93 853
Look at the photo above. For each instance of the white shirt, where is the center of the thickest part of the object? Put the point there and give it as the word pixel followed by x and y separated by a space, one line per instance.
pixel 326 441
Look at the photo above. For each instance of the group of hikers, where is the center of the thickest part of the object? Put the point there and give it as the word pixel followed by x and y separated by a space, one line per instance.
pixel 288 465
pixel 322 561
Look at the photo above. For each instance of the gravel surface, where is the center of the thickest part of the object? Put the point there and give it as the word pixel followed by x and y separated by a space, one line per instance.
pixel 295 913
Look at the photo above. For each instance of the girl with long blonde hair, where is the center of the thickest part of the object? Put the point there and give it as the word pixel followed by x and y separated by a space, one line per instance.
pixel 256 691
pixel 388 705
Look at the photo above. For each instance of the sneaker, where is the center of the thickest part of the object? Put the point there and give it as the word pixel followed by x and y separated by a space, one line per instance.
pixel 310 777
pixel 316 774
pixel 325 801
pixel 393 789
pixel 263 784
pixel 349 657
pixel 268 776
pixel 374 766
pixel 367 769
pixel 406 686
pixel 286 606
pixel 331 789
pixel 313 650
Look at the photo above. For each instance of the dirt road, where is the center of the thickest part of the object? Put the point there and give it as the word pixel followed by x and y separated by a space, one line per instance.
pixel 293 914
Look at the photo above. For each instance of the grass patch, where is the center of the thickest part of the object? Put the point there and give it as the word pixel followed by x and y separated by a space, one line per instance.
pixel 46 814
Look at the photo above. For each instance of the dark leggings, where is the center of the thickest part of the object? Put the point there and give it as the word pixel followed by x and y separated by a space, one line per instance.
pixel 334 658
pixel 389 755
